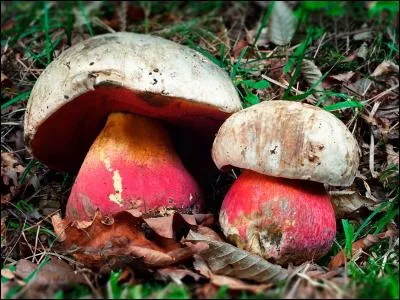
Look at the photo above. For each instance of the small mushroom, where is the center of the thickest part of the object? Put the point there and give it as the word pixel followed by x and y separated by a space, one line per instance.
pixel 278 207
pixel 101 107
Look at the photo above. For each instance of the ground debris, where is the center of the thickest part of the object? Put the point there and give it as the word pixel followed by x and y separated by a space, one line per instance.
pixel 360 245
pixel 43 280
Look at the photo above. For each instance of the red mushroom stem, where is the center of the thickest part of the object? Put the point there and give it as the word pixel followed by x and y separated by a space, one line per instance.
pixel 283 220
pixel 132 164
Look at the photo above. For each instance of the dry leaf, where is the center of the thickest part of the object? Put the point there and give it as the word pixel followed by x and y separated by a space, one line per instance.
pixel 225 259
pixel 392 156
pixel 177 275
pixel 59 226
pixel 221 280
pixel 4 216
pixel 312 74
pixel 344 77
pixel 358 88
pixel 347 202
pixel 241 44
pixel 11 169
pixel 339 259
pixel 124 236
pixel 52 276
pixel 363 51
pixel 385 67
pixel 282 25
pixel 6 198
pixel 363 36
pixel 172 227
pixel 7 273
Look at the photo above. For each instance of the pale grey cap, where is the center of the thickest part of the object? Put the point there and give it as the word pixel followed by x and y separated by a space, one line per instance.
pixel 288 139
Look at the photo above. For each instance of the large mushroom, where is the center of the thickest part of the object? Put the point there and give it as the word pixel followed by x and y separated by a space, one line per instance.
pixel 102 107
pixel 278 207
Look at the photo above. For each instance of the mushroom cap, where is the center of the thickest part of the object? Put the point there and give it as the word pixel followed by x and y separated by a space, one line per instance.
pixel 288 139
pixel 126 72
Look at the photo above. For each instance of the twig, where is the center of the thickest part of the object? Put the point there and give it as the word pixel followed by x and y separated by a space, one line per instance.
pixel 286 86
pixel 319 45
pixel 380 95
pixel 371 156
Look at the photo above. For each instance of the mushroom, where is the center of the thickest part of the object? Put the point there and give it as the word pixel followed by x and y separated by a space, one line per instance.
pixel 278 207
pixel 103 107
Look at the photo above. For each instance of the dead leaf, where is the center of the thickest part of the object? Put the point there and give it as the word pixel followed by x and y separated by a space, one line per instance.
pixel 344 77
pixel 363 36
pixel 177 274
pixel 11 169
pixel 221 280
pixel 358 88
pixel 5 81
pixel 59 226
pixel 225 259
pixel 363 51
pixel 169 226
pixel 52 276
pixel 206 291
pixel 125 236
pixel 385 67
pixel 7 273
pixel 239 47
pixel 6 198
pixel 3 228
pixel 282 25
pixel 312 74
pixel 392 156
pixel 339 259
pixel 347 202
pixel 208 232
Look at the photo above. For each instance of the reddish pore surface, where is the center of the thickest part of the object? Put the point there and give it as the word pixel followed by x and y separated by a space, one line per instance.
pixel 283 220
pixel 132 164
pixel 63 139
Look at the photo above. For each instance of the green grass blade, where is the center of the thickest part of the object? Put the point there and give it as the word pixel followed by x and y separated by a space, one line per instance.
pixel 85 17
pixel 343 105
pixel 349 233
pixel 368 220
pixel 14 100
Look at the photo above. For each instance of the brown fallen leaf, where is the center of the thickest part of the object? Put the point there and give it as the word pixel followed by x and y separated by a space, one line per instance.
pixel 241 44
pixel 392 156
pixel 11 170
pixel 339 259
pixel 313 75
pixel 177 274
pixel 344 77
pixel 222 280
pixel 208 232
pixel 124 236
pixel 385 67
pixel 346 202
pixel 206 291
pixel 170 226
pixel 4 217
pixel 7 273
pixel 225 259
pixel 52 276
pixel 59 226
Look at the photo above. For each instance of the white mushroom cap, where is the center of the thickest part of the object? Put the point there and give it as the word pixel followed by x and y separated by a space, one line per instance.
pixel 139 73
pixel 288 139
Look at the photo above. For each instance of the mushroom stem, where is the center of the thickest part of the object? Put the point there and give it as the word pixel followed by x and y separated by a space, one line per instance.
pixel 132 164
pixel 283 220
